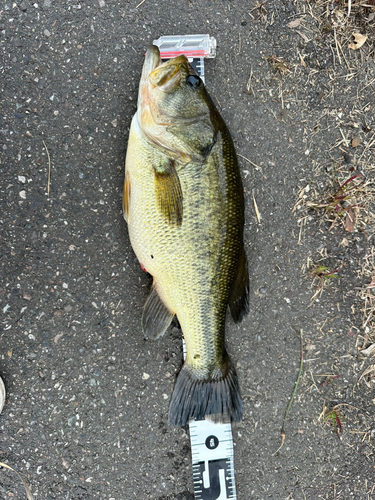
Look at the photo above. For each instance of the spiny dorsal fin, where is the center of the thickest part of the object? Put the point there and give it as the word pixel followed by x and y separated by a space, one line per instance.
pixel 239 296
pixel 169 193
pixel 156 317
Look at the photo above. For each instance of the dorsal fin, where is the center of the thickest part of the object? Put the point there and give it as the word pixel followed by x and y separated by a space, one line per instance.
pixel 239 295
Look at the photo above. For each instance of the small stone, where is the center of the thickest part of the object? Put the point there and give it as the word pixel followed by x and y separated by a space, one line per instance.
pixel 22 179
pixel 65 285
pixel 114 123
pixel 79 47
pixel 23 6
pixel 101 3
pixel 145 376
pixel 356 141
pixel 347 158
pixel 23 194
pixel 47 33
pixel 56 113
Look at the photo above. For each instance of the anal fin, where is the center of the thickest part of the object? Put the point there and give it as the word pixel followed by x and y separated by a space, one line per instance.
pixel 156 316
pixel 239 295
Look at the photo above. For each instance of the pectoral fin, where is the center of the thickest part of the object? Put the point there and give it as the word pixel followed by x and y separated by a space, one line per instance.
pixel 156 317
pixel 169 193
pixel 239 296
pixel 126 197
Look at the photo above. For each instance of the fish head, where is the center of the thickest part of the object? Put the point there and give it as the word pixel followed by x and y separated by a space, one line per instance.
pixel 174 109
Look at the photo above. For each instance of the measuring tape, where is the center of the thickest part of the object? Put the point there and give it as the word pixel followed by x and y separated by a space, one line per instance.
pixel 211 443
pixel 212 457
pixel 195 47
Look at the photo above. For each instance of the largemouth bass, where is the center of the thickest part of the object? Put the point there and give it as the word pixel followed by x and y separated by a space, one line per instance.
pixel 183 202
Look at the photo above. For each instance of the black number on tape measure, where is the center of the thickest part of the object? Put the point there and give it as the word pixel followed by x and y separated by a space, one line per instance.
pixel 219 483
pixel 212 442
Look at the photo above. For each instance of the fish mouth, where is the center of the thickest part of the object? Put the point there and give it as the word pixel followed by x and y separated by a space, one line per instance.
pixel 166 76
pixel 152 61
pixel 160 74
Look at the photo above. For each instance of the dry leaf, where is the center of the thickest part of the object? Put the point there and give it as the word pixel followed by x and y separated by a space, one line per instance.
pixel 356 141
pixel 345 242
pixel 338 19
pixel 295 23
pixel 359 40
pixel 349 221
pixel 368 350
pixel 368 370
pixel 57 337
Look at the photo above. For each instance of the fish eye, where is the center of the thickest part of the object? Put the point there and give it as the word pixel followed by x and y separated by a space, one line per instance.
pixel 193 81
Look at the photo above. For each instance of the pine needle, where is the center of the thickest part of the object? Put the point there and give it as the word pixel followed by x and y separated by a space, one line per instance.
pixel 251 163
pixel 28 492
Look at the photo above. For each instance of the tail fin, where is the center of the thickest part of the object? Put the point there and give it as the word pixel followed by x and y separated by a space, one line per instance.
pixel 194 397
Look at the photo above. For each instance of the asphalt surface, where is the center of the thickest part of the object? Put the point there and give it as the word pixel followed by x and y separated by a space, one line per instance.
pixel 87 397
